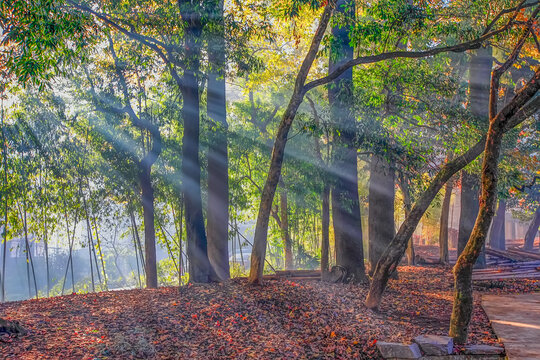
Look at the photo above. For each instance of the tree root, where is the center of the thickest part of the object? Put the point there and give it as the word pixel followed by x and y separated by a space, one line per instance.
pixel 11 327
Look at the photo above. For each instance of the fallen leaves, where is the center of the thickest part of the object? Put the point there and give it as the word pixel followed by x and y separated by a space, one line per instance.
pixel 282 319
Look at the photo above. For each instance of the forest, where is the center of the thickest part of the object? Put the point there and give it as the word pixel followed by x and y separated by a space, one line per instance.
pixel 269 179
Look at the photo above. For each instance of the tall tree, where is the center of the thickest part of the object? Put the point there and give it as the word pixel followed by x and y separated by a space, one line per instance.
pixel 345 202
pixel 197 246
pixel 218 164
pixel 261 229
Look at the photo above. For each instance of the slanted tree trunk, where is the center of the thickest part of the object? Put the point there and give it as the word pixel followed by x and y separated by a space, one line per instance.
pixel 515 112
pixel 532 230
pixel 261 229
pixel 381 208
pixel 443 233
pixel 497 240
pixel 463 296
pixel 199 265
pixel 218 177
pixel 345 202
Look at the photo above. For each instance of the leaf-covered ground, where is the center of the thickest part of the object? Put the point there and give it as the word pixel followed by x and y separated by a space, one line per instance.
pixel 283 319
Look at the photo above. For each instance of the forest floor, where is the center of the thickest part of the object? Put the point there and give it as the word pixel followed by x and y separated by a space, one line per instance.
pixel 282 319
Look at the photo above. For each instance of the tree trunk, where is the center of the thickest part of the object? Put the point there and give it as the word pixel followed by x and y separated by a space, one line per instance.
pixel 497 240
pixel 479 76
pixel 480 67
pixel 137 249
pixel 218 178
pixel 345 203
pixel 46 246
pixel 443 233
pixel 325 196
pixel 469 208
pixel 469 211
pixel 149 229
pixel 325 224
pixel 284 227
pixel 381 208
pixel 29 260
pixel 274 173
pixel 532 230
pixel 463 296
pixel 407 205
pixel 71 241
pixel 100 253
pixel 199 265
pixel 137 238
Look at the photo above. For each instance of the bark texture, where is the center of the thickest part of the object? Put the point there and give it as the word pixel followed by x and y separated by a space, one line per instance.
pixel 218 163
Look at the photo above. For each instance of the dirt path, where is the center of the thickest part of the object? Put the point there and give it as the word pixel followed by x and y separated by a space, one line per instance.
pixel 516 321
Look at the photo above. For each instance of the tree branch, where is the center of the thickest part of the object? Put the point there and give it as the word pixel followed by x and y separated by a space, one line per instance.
pixel 473 44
